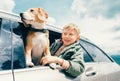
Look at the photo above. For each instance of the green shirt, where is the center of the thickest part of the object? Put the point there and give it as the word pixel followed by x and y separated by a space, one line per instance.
pixel 72 53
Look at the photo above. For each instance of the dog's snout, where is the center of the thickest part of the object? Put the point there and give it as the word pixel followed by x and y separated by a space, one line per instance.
pixel 21 14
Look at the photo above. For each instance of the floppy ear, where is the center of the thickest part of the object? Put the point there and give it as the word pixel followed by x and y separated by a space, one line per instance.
pixel 46 15
pixel 40 10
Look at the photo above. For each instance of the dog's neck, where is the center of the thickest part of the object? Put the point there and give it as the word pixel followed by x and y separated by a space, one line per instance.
pixel 38 25
pixel 37 30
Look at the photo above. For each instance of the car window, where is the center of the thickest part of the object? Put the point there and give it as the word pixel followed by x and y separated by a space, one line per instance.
pixel 18 47
pixel 95 52
pixel 11 46
pixel 55 35
pixel 5 45
pixel 18 34
pixel 87 57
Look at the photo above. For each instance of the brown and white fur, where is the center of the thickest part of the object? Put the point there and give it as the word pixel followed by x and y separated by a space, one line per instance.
pixel 36 42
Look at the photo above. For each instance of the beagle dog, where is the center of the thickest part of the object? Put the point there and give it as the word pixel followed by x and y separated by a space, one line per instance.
pixel 37 40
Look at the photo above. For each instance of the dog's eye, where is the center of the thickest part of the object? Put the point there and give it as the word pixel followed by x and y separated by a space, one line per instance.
pixel 31 10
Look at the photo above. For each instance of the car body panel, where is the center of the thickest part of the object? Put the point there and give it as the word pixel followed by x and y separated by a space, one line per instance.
pixel 6 75
pixel 40 74
pixel 101 71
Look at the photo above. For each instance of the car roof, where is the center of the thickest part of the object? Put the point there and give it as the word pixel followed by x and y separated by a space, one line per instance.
pixel 16 17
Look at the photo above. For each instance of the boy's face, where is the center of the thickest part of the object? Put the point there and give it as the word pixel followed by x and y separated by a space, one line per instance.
pixel 69 36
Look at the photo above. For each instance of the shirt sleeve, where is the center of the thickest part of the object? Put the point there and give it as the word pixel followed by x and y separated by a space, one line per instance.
pixel 76 64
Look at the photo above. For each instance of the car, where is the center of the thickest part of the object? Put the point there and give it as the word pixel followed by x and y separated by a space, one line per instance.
pixel 99 66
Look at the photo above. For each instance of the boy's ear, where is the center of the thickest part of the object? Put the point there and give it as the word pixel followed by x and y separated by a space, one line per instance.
pixel 78 38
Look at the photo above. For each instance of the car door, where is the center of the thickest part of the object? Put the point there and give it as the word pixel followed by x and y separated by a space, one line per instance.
pixel 94 71
pixel 102 71
pixel 99 66
pixel 113 72
pixel 5 50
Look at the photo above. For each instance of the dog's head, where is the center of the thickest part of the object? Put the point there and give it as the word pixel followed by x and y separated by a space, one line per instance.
pixel 34 16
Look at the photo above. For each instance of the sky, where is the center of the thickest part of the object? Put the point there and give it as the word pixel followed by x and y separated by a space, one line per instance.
pixel 98 20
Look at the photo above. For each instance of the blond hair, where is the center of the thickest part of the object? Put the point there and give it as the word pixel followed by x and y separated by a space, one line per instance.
pixel 72 26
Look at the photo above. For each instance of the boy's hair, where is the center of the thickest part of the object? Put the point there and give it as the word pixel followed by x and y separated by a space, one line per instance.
pixel 73 27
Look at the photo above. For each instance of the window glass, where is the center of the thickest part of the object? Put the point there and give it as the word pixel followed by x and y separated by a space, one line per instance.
pixel 5 45
pixel 86 56
pixel 96 54
pixel 11 46
pixel 18 46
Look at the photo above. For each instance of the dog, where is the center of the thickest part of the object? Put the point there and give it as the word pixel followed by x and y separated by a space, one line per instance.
pixel 37 40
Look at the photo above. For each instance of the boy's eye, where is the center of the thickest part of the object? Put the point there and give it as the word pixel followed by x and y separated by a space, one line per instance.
pixel 70 34
pixel 65 33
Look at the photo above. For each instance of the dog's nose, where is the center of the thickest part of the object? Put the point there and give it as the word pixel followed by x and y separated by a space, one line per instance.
pixel 21 14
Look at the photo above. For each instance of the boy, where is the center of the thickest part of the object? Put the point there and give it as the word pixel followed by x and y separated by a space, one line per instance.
pixel 67 51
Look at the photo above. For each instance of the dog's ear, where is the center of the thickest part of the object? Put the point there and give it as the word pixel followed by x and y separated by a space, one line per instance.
pixel 40 10
pixel 46 15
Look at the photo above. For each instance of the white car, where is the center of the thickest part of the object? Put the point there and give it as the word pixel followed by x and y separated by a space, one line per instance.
pixel 99 66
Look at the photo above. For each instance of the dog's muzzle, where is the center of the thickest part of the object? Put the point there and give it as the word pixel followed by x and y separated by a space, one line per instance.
pixel 21 15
